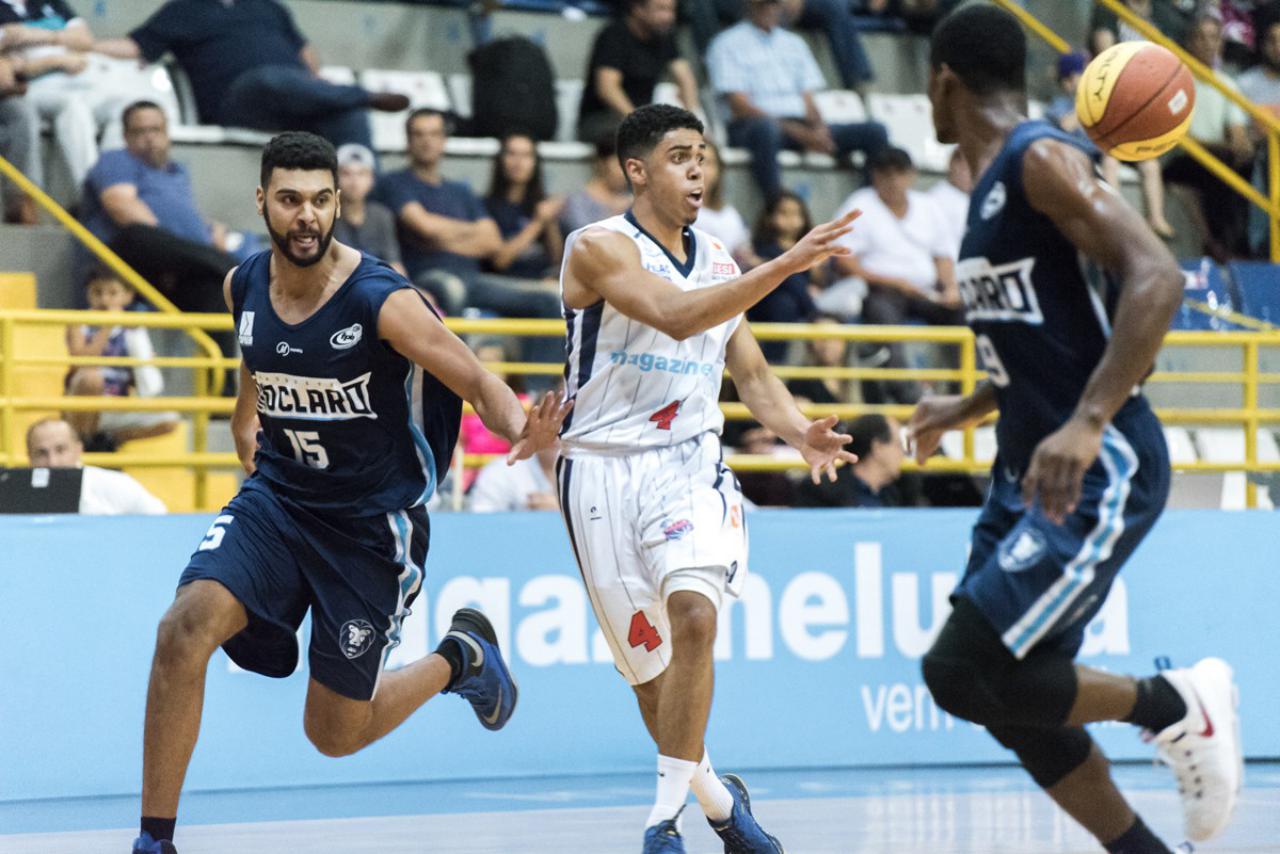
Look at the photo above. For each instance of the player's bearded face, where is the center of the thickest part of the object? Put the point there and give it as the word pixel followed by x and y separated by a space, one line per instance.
pixel 304 239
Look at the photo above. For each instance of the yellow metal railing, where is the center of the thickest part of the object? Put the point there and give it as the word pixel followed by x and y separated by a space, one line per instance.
pixel 1249 380
pixel 1269 203
pixel 213 381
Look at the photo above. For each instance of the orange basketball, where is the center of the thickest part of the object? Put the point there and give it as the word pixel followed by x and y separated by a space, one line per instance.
pixel 1135 100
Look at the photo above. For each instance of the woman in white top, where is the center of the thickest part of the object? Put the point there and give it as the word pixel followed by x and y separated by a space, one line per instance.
pixel 722 221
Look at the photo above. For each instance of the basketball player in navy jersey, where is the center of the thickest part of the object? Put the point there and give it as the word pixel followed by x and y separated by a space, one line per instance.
pixel 349 405
pixel 1070 294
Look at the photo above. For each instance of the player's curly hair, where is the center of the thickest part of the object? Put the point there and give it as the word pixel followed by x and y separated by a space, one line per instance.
pixel 645 128
pixel 985 47
pixel 298 150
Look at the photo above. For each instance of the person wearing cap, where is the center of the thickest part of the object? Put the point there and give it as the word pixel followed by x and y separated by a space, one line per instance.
pixel 364 223
pixel 1062 112
pixel 764 77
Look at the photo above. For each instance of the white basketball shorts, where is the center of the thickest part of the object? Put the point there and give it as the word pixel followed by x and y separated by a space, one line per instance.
pixel 645 525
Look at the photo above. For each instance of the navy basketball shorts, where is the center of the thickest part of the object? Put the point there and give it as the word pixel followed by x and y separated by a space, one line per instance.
pixel 357 575
pixel 1039 584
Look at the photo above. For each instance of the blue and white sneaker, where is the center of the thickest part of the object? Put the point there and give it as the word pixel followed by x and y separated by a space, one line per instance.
pixel 741 832
pixel 664 837
pixel 485 681
pixel 144 844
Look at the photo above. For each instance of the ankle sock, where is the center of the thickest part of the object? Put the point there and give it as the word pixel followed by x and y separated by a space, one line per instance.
pixel 713 796
pixel 674 777
pixel 159 828
pixel 1138 839
pixel 451 651
pixel 1159 705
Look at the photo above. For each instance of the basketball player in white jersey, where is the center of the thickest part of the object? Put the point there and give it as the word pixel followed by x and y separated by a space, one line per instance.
pixel 653 309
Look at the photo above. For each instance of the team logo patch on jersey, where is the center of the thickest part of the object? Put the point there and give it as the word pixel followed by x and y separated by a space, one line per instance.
pixel 246 328
pixel 313 398
pixel 676 530
pixel 345 339
pixel 999 292
pixel 994 202
pixel 1022 551
pixel 355 638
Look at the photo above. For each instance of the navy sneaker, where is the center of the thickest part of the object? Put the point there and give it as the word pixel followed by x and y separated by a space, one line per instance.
pixel 144 844
pixel 740 831
pixel 485 681
pixel 664 838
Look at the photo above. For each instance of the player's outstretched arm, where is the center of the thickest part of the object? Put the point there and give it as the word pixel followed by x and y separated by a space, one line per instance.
pixel 1061 184
pixel 774 407
pixel 416 333
pixel 606 265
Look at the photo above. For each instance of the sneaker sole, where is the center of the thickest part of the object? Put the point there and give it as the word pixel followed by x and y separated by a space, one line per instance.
pixel 471 620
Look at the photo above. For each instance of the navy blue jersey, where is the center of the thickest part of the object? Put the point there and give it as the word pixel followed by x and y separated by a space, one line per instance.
pixel 348 424
pixel 1041 311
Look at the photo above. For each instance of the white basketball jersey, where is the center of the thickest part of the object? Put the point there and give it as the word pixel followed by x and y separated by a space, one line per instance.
pixel 633 387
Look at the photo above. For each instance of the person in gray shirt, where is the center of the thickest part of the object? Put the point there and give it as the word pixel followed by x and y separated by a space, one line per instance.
pixel 364 224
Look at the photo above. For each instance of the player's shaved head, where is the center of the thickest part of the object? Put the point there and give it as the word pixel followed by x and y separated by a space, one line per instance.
pixel 984 46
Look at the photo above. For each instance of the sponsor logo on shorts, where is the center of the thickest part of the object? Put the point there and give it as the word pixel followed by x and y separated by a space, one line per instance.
pixel 1021 552
pixel 676 530
pixel 355 638
pixel 345 339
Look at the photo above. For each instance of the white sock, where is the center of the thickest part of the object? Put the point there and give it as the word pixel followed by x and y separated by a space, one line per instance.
pixel 712 795
pixel 674 776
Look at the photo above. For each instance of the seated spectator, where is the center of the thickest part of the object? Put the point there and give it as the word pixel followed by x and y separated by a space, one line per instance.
pixel 902 251
pixel 1260 84
pixel 363 223
pixel 530 484
pixel 605 194
pixel 824 353
pixel 139 202
pixel 19 143
pixel 53 443
pixel 719 218
pixel 108 429
pixel 250 66
pixel 781 225
pixel 765 488
pixel 951 197
pixel 870 482
pixel 830 18
pixel 629 58
pixel 919 16
pixel 527 218
pixel 1171 17
pixel 765 77
pixel 1222 128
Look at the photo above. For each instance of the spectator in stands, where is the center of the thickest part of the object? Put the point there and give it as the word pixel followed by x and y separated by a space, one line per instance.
pixel 765 77
pixel 605 194
pixel 19 142
pixel 106 430
pixel 629 58
pixel 1171 17
pixel 249 66
pixel 53 443
pixel 528 485
pixel 527 218
pixel 824 353
pixel 473 436
pixel 919 16
pixel 364 224
pixel 780 226
pixel 902 250
pixel 433 213
pixel 46 42
pixel 830 18
pixel 870 481
pixel 951 197
pixel 1260 84
pixel 139 202
pixel 719 218
pixel 1222 127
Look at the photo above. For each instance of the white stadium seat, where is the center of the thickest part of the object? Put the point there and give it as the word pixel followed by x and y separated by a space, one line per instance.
pixel 422 88
pixel 460 94
pixel 338 74
pixel 1226 445
pixel 840 106
pixel 909 120
pixel 568 99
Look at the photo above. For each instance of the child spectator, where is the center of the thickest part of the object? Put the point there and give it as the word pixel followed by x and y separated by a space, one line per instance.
pixel 720 219
pixel 781 224
pixel 364 224
pixel 109 293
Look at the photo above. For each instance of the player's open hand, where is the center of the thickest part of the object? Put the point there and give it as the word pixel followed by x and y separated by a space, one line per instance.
pixel 823 447
pixel 933 416
pixel 823 242
pixel 1056 473
pixel 541 426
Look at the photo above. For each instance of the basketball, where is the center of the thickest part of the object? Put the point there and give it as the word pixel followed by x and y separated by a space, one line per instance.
pixel 1135 100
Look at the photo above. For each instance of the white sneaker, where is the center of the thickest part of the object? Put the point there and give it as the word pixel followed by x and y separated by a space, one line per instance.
pixel 1203 748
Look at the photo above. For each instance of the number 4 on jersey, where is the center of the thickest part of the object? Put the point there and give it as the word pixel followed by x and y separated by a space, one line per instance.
pixel 664 416
pixel 642 633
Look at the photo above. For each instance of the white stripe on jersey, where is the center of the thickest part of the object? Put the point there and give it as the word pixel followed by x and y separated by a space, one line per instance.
pixel 634 387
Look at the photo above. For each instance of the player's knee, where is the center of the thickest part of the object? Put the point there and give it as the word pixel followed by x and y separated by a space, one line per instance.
pixel 86 381
pixel 962 669
pixel 956 686
pixel 693 619
pixel 1049 755
pixel 195 625
pixel 330 742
